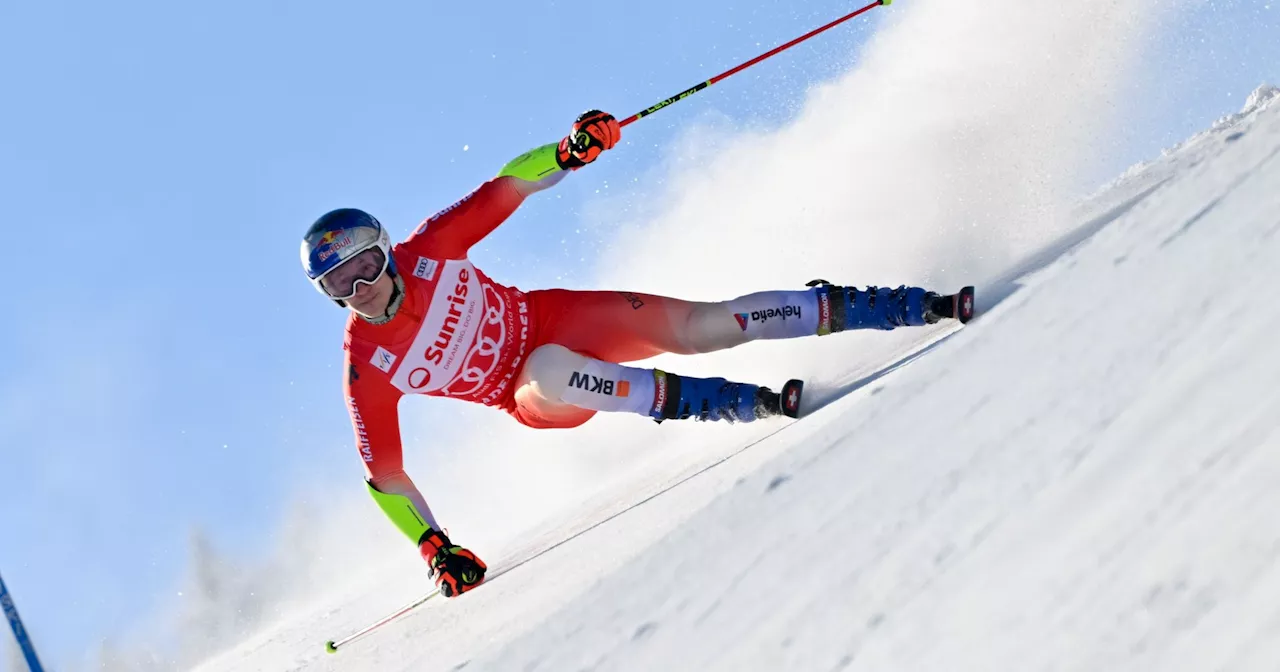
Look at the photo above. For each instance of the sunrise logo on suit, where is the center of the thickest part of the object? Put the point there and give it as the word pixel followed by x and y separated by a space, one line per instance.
pixel 463 338
pixel 447 334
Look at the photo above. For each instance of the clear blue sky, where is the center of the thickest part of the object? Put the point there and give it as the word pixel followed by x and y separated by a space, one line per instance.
pixel 165 360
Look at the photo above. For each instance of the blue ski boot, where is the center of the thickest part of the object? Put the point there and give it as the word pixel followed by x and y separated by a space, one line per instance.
pixel 711 399
pixel 846 308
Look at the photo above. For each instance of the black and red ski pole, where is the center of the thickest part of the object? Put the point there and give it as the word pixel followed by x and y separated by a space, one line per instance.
pixel 729 73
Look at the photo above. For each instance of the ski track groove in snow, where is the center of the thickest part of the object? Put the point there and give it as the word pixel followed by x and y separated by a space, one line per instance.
pixel 1082 479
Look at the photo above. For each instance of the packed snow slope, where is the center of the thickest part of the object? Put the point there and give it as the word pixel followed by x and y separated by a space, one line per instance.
pixel 1082 479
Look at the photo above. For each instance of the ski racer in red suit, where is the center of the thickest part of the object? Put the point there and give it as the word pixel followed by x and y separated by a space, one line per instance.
pixel 425 320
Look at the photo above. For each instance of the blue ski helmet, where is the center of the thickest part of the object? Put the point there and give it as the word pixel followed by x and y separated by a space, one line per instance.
pixel 336 238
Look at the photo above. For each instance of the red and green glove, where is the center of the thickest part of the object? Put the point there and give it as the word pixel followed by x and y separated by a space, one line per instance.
pixel 593 132
pixel 455 569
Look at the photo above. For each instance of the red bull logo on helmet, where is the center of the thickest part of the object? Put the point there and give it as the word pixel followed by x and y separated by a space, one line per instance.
pixel 332 243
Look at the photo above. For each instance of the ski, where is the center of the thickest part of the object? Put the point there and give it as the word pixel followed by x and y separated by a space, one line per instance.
pixel 958 306
pixel 790 396
pixel 964 305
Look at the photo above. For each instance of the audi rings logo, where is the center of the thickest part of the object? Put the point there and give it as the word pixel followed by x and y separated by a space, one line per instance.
pixel 489 343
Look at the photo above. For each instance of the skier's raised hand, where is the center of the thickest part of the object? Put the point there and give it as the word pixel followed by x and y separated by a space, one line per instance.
pixel 593 132
pixel 455 569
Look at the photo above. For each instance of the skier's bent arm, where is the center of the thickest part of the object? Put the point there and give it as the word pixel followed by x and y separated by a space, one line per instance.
pixel 453 231
pixel 372 403
pixel 460 226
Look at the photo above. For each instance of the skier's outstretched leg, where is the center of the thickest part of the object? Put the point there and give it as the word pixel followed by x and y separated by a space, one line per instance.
pixel 580 338
pixel 626 327
pixel 561 388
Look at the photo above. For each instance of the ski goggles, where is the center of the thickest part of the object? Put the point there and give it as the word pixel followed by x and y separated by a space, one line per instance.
pixel 341 281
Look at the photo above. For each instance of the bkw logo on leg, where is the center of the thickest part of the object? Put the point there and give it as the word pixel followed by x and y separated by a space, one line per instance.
pixel 590 383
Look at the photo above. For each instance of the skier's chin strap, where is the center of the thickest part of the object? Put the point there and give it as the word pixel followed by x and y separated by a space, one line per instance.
pixel 397 298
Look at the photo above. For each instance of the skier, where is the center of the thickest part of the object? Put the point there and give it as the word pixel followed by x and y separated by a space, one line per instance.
pixel 425 320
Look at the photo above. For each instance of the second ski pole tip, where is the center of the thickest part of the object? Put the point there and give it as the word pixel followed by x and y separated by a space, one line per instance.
pixel 330 647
